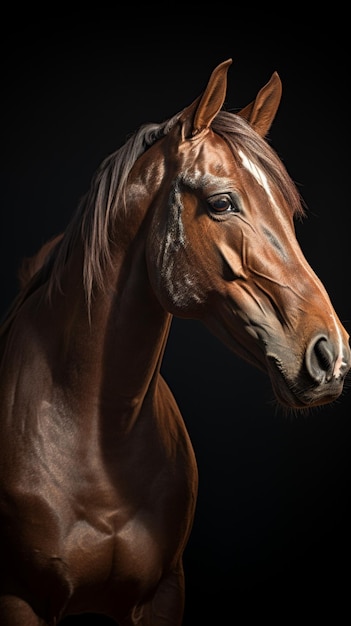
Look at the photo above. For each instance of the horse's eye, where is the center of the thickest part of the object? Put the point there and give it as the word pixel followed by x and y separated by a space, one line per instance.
pixel 221 204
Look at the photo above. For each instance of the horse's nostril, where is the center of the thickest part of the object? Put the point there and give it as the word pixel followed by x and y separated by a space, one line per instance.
pixel 320 359
pixel 323 354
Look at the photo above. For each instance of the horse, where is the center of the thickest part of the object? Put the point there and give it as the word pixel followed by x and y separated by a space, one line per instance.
pixel 193 218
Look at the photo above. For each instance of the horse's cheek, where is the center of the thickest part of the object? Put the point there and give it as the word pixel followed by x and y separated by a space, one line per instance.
pixel 174 279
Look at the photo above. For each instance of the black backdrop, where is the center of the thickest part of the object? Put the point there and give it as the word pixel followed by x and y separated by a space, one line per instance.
pixel 271 536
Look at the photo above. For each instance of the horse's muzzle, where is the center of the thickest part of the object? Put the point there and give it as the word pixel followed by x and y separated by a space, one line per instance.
pixel 319 379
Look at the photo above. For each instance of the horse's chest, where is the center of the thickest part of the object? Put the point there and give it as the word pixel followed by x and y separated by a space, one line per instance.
pixel 134 534
pixel 128 560
pixel 130 552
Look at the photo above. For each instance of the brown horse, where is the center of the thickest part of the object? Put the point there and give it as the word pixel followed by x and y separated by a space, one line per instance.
pixel 98 481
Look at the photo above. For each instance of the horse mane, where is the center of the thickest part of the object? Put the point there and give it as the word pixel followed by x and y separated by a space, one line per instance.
pixel 90 222
pixel 97 209
pixel 107 194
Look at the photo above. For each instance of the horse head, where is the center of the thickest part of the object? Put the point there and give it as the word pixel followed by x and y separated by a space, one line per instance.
pixel 222 247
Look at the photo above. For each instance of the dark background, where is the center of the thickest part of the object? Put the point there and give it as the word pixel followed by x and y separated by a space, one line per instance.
pixel 271 538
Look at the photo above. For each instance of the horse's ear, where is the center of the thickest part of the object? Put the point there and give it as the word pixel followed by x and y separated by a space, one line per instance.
pixel 261 112
pixel 199 115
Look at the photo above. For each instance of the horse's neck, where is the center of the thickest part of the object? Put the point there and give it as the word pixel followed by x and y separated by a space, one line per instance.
pixel 117 354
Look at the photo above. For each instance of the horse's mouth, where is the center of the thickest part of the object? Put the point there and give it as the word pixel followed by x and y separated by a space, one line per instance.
pixel 300 392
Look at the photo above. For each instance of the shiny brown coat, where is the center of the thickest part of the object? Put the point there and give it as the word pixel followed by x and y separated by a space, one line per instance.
pixel 98 478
